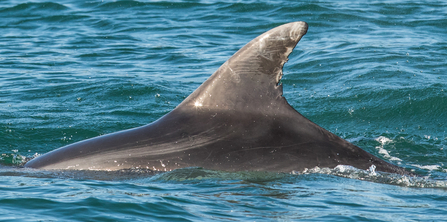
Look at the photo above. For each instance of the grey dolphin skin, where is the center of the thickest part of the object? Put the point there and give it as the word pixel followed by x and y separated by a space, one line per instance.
pixel 237 120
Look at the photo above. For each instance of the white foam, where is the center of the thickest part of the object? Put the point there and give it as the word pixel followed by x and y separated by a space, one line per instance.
pixel 428 167
pixel 378 177
pixel 383 141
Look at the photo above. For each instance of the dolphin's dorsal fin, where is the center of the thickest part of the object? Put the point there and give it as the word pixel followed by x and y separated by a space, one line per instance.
pixel 237 120
pixel 251 76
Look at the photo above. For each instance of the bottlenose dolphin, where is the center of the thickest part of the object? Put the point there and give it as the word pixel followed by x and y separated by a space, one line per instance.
pixel 237 120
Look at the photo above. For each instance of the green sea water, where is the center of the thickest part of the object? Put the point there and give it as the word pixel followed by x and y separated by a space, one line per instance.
pixel 372 72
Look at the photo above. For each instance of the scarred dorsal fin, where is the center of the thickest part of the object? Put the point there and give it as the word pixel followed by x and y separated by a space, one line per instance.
pixel 236 120
pixel 251 75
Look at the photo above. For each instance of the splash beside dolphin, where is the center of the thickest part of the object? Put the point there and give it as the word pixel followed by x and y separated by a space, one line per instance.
pixel 237 120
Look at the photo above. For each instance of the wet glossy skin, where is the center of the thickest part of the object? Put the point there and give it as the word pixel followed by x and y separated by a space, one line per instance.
pixel 236 120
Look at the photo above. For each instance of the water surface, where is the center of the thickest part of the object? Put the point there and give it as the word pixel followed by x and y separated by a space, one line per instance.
pixel 373 73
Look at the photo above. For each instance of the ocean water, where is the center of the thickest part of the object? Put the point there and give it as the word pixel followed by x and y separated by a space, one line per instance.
pixel 372 72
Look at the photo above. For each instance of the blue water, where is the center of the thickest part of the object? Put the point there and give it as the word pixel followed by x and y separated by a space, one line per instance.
pixel 372 72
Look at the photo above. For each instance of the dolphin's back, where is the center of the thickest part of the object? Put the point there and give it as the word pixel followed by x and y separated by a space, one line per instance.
pixel 236 120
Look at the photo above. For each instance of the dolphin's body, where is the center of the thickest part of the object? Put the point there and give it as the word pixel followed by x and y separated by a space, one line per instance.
pixel 237 120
